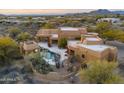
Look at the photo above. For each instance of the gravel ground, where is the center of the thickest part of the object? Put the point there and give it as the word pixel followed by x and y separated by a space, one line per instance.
pixel 22 73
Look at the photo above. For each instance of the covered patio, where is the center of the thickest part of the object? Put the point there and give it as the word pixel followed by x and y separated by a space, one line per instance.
pixel 47 34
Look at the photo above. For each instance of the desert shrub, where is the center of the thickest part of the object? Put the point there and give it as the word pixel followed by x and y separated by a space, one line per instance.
pixel 100 73
pixel 62 43
pixel 13 31
pixel 24 36
pixel 113 35
pixel 9 50
pixel 39 64
pixel 103 26
pixel 48 26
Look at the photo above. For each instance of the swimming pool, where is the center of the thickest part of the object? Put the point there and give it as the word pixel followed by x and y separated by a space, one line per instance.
pixel 50 57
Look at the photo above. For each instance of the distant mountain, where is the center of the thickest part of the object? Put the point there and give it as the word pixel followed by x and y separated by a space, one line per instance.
pixel 105 11
pixel 101 11
pixel 118 12
pixel 2 15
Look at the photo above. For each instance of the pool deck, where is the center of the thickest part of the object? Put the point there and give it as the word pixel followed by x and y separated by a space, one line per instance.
pixel 54 49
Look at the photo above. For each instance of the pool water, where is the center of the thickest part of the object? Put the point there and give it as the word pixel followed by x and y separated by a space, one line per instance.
pixel 50 57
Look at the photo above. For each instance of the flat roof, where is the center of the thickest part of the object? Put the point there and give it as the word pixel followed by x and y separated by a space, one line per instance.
pixel 111 18
pixel 69 29
pixel 54 35
pixel 30 45
pixel 92 33
pixel 92 39
pixel 98 48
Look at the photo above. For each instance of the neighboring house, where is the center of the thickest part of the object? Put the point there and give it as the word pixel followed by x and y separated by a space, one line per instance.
pixel 112 20
pixel 92 49
pixel 28 47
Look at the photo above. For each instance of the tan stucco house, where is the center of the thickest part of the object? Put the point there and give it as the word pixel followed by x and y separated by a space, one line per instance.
pixel 88 47
pixel 92 49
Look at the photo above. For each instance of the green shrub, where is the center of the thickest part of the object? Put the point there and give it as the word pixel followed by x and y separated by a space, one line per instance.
pixel 62 43
pixel 100 73
pixel 9 50
pixel 13 31
pixel 103 26
pixel 113 35
pixel 39 64
pixel 24 36
pixel 48 26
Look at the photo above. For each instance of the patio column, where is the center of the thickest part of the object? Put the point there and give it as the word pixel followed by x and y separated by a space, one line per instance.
pixel 49 42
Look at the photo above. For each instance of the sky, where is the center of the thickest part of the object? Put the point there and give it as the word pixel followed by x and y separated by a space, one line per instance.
pixel 42 11
pixel 45 11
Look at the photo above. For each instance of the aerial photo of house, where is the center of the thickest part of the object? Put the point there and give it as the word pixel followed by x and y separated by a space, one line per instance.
pixel 75 48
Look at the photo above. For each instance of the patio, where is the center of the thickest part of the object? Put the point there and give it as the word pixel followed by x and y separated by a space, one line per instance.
pixel 55 49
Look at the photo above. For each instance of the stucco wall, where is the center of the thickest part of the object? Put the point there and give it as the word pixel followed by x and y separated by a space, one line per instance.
pixel 69 34
pixel 93 42
pixel 91 55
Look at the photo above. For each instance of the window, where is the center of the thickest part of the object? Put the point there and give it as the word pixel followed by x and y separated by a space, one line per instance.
pixel 72 52
pixel 83 56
